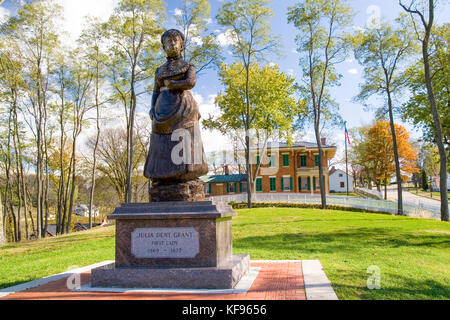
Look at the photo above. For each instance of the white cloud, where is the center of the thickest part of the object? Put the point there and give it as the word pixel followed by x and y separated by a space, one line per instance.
pixel 178 12
pixel 198 97
pixel 212 140
pixel 226 38
pixel 4 14
pixel 358 28
pixel 272 64
pixel 290 72
pixel 76 11
pixel 197 40
pixel 353 71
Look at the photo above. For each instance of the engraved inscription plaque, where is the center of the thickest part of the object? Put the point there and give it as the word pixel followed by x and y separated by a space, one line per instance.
pixel 152 243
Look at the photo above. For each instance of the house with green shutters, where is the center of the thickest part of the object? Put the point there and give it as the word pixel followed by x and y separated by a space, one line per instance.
pixel 283 168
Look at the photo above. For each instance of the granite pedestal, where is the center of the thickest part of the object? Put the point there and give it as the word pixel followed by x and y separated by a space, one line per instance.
pixel 186 245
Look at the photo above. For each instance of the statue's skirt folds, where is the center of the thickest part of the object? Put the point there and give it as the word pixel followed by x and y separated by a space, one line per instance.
pixel 182 160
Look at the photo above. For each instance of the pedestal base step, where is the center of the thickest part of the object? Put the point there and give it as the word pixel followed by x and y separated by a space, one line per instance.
pixel 179 278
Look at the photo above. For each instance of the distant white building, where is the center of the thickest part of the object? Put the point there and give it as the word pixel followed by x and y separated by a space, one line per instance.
pixel 338 181
pixel 437 182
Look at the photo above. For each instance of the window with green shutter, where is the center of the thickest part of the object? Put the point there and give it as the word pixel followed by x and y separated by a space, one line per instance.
pixel 272 161
pixel 316 160
pixel 285 160
pixel 273 184
pixel 291 184
pixel 300 184
pixel 228 188
pixel 309 184
pixel 314 184
pixel 303 161
pixel 259 185
pixel 257 159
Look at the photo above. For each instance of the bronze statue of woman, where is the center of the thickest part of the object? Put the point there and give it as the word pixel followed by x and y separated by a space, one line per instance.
pixel 175 129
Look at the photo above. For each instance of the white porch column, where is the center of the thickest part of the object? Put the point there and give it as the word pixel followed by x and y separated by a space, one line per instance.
pixel 312 184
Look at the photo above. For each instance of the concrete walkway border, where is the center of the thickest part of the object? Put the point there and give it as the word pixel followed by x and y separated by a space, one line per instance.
pixel 317 285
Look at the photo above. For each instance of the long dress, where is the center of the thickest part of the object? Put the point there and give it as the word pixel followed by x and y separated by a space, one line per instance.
pixel 176 149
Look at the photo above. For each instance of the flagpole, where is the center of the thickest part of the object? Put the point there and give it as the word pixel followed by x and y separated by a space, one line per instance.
pixel 346 158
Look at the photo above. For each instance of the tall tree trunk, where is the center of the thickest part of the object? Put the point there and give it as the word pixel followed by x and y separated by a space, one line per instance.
pixel 94 165
pixel 247 139
pixel 18 165
pixel 72 187
pixel 2 224
pixel 8 204
pixel 323 194
pixel 436 119
pixel 130 140
pixel 385 187
pixel 47 182
pixel 61 197
pixel 396 156
pixel 30 212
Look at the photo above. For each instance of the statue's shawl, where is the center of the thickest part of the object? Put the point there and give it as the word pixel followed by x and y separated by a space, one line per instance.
pixel 172 69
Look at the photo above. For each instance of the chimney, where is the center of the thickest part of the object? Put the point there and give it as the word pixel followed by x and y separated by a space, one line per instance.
pixel 323 141
pixel 227 170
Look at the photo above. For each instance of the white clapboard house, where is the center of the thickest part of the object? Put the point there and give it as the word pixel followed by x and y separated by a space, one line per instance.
pixel 338 181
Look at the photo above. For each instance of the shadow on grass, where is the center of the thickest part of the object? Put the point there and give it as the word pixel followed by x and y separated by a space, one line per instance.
pixel 340 241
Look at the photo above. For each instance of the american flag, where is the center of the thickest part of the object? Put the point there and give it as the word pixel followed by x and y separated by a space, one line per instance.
pixel 347 136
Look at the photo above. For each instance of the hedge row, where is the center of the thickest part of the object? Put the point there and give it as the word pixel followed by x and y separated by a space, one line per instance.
pixel 243 205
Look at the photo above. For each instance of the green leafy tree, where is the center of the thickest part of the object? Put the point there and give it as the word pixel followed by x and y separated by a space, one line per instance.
pixel 133 31
pixel 34 31
pixel 251 37
pixel 423 12
pixel 417 109
pixel 430 160
pixel 272 104
pixel 201 48
pixel 322 45
pixel 383 53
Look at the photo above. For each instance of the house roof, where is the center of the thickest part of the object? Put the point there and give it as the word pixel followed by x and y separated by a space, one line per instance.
pixel 224 178
pixel 338 170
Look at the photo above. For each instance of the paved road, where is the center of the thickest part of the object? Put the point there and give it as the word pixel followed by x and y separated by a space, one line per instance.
pixel 411 199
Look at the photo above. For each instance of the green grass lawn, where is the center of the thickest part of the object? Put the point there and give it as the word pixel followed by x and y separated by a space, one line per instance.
pixel 436 195
pixel 413 254
pixel 350 194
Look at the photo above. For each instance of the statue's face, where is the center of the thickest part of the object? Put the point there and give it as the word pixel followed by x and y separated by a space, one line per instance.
pixel 173 46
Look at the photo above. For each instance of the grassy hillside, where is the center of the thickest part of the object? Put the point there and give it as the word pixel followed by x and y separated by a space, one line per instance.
pixel 412 254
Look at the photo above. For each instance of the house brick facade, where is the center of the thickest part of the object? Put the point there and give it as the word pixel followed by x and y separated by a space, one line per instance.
pixel 284 169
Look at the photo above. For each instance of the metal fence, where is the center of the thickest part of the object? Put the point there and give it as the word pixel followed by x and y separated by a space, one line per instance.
pixel 418 209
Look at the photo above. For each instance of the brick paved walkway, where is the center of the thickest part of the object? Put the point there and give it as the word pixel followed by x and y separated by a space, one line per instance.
pixel 280 280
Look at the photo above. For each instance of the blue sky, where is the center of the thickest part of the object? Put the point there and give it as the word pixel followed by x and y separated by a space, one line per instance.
pixel 208 85
pixel 353 113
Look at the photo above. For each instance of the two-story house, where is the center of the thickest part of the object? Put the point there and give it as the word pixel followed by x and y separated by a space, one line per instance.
pixel 293 169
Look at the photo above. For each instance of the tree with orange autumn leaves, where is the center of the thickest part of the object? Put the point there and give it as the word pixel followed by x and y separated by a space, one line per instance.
pixel 374 152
